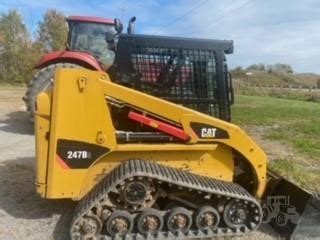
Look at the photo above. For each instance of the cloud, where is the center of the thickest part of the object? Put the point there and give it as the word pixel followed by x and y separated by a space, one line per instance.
pixel 263 31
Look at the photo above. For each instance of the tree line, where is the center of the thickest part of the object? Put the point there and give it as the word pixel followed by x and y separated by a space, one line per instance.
pixel 277 68
pixel 19 51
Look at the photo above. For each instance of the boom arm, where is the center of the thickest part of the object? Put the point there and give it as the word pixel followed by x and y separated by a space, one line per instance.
pixel 235 137
pixel 83 115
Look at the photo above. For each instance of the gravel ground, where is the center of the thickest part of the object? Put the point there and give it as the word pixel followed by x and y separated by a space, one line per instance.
pixel 23 214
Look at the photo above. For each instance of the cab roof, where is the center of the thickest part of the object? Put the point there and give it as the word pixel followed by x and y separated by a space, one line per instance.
pixel 90 19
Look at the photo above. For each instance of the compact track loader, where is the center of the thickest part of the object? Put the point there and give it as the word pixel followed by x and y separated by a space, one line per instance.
pixel 148 150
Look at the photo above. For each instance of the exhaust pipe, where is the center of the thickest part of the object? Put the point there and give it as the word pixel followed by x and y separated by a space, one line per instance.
pixel 130 28
pixel 291 211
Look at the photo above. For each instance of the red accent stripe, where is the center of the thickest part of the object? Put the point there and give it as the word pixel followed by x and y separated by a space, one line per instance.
pixel 62 163
pixel 161 126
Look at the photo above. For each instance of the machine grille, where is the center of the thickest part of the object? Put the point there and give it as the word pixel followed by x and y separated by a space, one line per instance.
pixel 182 70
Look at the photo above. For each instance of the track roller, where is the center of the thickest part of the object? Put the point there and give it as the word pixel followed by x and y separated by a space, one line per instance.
pixel 150 221
pixel 91 226
pixel 206 217
pixel 179 220
pixel 119 223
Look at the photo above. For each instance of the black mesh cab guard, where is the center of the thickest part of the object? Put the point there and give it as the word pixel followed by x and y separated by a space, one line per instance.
pixel 187 71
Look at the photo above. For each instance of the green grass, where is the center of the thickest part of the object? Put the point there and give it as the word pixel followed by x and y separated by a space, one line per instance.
pixel 298 122
pixel 306 177
pixel 286 93
pixel 294 123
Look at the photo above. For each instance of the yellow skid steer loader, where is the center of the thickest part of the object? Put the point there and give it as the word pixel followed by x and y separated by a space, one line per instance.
pixel 148 149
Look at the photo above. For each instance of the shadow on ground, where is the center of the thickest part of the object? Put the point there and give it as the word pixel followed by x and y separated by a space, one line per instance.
pixel 17 122
pixel 18 197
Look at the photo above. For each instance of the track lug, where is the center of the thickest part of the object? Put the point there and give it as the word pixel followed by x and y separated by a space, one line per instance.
pixel 171 235
pixel 160 235
pixel 139 237
pixel 252 225
pixel 190 234
pixel 180 234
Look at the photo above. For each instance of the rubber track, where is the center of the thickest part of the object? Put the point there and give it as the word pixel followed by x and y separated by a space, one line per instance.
pixel 142 168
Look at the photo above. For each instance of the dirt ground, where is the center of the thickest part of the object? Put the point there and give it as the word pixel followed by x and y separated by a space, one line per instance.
pixel 23 214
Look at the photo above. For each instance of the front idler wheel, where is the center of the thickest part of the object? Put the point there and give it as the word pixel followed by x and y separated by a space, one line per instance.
pixel 179 220
pixel 119 223
pixel 206 218
pixel 150 221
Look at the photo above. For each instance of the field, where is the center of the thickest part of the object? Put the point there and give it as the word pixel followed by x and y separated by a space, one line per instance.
pixel 288 130
pixel 305 80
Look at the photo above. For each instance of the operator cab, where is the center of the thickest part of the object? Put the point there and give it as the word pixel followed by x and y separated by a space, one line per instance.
pixel 88 34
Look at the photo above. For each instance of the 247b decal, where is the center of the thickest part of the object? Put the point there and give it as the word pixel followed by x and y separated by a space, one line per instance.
pixel 78 154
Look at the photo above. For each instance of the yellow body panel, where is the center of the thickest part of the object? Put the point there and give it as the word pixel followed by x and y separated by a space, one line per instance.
pixel 79 112
pixel 42 146
pixel 201 162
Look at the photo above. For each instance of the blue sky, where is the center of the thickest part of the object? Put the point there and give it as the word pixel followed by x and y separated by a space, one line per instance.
pixel 267 31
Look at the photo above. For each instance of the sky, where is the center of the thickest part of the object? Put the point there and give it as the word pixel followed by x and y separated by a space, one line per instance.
pixel 263 31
